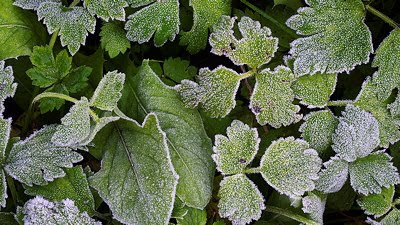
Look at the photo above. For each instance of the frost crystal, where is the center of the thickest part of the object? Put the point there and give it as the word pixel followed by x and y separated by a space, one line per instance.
pixel 272 98
pixel 110 9
pixel 113 39
pixel 394 107
pixel 392 218
pixel 36 160
pixel 240 200
pixel 377 204
pixel 161 18
pixel 39 211
pixel 337 38
pixel 215 91
pixel 332 178
pixel 236 151
pixel 7 87
pixel 356 135
pixel 314 205
pixel 31 4
pixel 290 166
pixel 5 128
pixel 369 174
pixel 108 92
pixel 74 23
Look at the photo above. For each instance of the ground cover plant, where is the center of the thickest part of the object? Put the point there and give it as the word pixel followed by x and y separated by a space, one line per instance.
pixel 199 112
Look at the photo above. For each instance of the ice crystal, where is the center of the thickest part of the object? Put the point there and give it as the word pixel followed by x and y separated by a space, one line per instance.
pixel 31 4
pixel 377 204
pixel 392 218
pixel 110 9
pixel 108 92
pixel 333 176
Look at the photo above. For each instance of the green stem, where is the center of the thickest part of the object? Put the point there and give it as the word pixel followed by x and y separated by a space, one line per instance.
pixel 382 16
pixel 53 38
pixel 14 192
pixel 340 103
pixel 54 95
pixel 74 3
pixel 290 214
pixel 247 74
pixel 29 112
pixel 396 202
pixel 271 19
pixel 252 170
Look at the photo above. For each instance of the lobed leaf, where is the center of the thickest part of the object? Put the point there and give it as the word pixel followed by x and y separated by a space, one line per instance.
pixel 31 4
pixel 178 69
pixel 113 39
pixel 110 9
pixel 333 176
pixel 108 92
pixel 392 218
pixel 394 107
pixel 5 129
pixel 314 205
pixel 377 204
pixel 7 85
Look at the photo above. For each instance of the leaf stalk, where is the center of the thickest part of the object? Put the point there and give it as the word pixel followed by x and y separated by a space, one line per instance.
pixel 290 214
pixel 385 18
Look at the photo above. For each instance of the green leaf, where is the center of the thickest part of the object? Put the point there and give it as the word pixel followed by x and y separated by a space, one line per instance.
pixel 108 92
pixel 7 87
pixel 73 23
pixel 31 4
pixel 256 47
pixel 106 10
pixel 367 100
pixel 234 153
pixel 36 160
pixel 49 104
pixel 137 179
pixel 178 69
pixel 205 15
pixel 272 98
pixel 113 39
pixel 333 176
pixel 290 166
pixel 5 129
pixel 315 90
pixel 193 217
pixel 377 204
pixel 77 79
pixel 41 211
pixel 73 186
pixel 161 18
pixel 370 174
pixel 314 205
pixel 388 60
pixel 356 135
pixel 7 218
pixel 190 147
pixel 392 218
pixel 179 210
pixel 317 130
pixel 240 200
pixel 19 31
pixel 394 107
pixel 336 37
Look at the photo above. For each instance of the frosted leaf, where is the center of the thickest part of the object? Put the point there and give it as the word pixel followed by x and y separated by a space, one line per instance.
pixel 178 69
pixel 240 200
pixel 336 37
pixel 5 129
pixel 356 135
pixel 369 174
pixel 272 98
pixel 314 205
pixel 193 217
pixel 315 90
pixel 137 179
pixel 161 18
pixel 108 92
pixel 113 39
pixel 31 4
pixel 367 100
pixel 97 127
pixel 317 130
pixel 36 160
pixel 234 153
pixel 39 211
pixel 75 126
pixel 290 166
pixel 110 9
pixel 392 218
pixel 3 189
pixel 333 176
pixel 388 60
pixel 256 47
pixel 7 87
pixel 74 23
pixel 394 107
pixel 205 15
pixel 377 204
pixel 215 91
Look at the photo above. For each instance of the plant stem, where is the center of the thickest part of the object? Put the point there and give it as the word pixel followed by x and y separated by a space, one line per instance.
pixel 53 38
pixel 54 95
pixel 290 214
pixel 74 3
pixel 271 19
pixel 29 113
pixel 252 170
pixel 339 103
pixel 382 16
pixel 13 190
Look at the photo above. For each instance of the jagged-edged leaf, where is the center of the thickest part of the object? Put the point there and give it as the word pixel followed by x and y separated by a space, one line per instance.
pixel 314 205
pixel 188 142
pixel 113 39
pixel 388 60
pixel 110 9
pixel 205 15
pixel 256 47
pixel 77 79
pixel 377 204
pixel 370 174
pixel 50 104
pixel 215 91
pixel 160 18
pixel 73 186
pixel 178 69
pixel 7 87
pixel 356 135
pixel 315 90
pixel 336 37
pixel 234 153
pixel 137 179
pixel 5 128
pixel 193 217
pixel 39 211
pixel 75 125
pixel 290 166
pixel 333 176
pixel 367 100
pixel 317 130
pixel 394 107
pixel 108 92
pixel 31 4
pixel 272 98
pixel 36 160
pixel 391 219
pixel 73 23
pixel 240 200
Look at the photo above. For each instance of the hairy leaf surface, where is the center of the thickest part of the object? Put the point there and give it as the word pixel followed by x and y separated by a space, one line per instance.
pixel 113 39
pixel 31 4
pixel 7 85
pixel 5 128
pixel 314 204
pixel 108 92
pixel 377 204
pixel 110 9
pixel 333 176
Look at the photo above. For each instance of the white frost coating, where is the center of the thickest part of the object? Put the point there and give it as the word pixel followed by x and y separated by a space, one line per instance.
pixel 109 9
pixel 222 36
pixel 377 204
pixel 31 4
pixel 240 200
pixel 332 178
pixel 392 218
pixel 394 107
pixel 97 127
pixel 236 151
pixel 7 87
pixel 74 23
pixel 39 211
pixel 5 128
pixel 108 92
pixel 314 204
pixel 356 135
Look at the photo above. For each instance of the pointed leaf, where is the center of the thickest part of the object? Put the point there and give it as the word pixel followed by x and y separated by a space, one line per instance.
pixel 7 87
pixel 333 176
pixel 314 205
pixel 108 92
pixel 377 204
pixel 178 69
pixel 392 218
pixel 50 104
pixel 113 39
pixel 111 9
